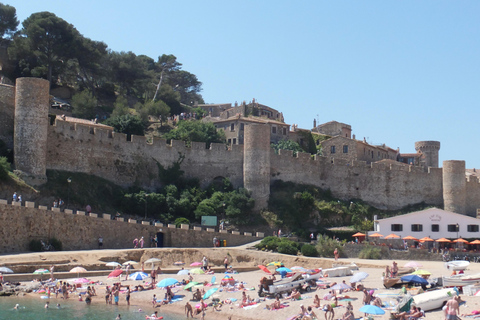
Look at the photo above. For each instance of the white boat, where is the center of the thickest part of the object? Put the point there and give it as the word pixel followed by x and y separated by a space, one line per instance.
pixel 432 300
pixel 457 265
pixel 337 272
pixel 461 280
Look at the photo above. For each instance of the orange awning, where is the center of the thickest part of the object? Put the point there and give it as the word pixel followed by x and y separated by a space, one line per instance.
pixel 359 234
pixel 376 235
pixel 392 236
pixel 475 242
pixel 443 240
pixel 460 240
pixel 426 239
pixel 409 238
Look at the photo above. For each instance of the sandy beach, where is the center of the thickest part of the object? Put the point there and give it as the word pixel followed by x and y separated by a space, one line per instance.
pixel 374 268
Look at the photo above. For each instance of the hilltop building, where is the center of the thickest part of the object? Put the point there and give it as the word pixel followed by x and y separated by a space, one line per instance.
pixel 349 168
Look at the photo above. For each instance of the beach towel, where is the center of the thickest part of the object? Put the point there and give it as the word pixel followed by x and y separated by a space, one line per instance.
pixel 251 306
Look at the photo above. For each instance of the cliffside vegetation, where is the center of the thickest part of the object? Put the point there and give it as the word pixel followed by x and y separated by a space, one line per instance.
pixel 100 82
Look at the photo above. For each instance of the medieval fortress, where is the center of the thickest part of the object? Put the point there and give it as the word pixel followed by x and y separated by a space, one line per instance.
pixel 350 168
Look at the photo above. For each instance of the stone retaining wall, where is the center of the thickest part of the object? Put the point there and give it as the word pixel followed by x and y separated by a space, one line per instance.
pixel 77 231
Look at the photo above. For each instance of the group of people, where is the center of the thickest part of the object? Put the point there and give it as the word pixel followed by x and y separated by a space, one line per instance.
pixel 138 243
pixel 16 198
pixel 112 294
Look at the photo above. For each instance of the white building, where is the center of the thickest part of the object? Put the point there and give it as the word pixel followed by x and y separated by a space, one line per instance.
pixel 434 223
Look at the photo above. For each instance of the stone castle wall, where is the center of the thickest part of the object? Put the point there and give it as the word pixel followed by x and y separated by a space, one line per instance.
pixel 383 186
pixel 7 113
pixel 19 225
pixel 79 148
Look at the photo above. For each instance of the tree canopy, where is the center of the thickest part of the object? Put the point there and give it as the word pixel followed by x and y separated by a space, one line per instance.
pixel 8 21
pixel 197 131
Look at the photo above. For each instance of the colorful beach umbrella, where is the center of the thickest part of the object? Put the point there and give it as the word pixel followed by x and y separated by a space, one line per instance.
pixel 413 264
pixel 414 279
pixel 263 268
pixel 41 271
pixel 130 262
pixel 392 236
pixel 167 282
pixel 371 309
pixel 283 269
pixel 209 293
pixel 359 234
pixel 426 239
pixel 195 264
pixel 138 276
pixel 112 264
pixel 81 280
pixel 190 284
pixel 115 273
pixel 183 272
pixel 358 277
pixel 5 270
pixel 376 235
pixel 197 271
pixel 340 286
pixel 275 263
pixel 421 272
pixel 77 270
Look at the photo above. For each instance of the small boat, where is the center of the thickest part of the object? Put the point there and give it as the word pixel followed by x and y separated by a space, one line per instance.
pixel 432 300
pixel 461 280
pixel 457 265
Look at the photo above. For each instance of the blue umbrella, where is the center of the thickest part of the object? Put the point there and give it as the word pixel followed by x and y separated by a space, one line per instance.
pixel 138 276
pixel 412 278
pixel 371 309
pixel 209 293
pixel 167 282
pixel 283 269
pixel 358 277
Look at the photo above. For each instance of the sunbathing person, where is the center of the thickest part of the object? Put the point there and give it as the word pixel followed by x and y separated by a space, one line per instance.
pixel 473 313
pixel 295 295
pixel 316 302
pixel 276 305
pixel 348 315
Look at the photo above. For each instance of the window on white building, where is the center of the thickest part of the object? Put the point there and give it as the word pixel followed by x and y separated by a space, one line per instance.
pixel 472 228
pixel 397 227
pixel 435 228
pixel 417 227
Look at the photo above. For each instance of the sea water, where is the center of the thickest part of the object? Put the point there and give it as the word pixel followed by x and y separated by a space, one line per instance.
pixel 34 309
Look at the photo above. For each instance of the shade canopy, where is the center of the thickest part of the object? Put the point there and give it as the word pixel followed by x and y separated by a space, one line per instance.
pixel 263 268
pixel 359 234
pixel 414 279
pixel 197 271
pixel 443 240
pixel 460 240
pixel 167 282
pixel 153 260
pixel 426 239
pixel 409 238
pixel 5 270
pixel 138 276
pixel 421 272
pixel 78 270
pixel 358 277
pixel 183 272
pixel 392 236
pixel 130 262
pixel 112 264
pixel 115 273
pixel 275 263
pixel 371 309
pixel 475 242
pixel 413 264
pixel 376 235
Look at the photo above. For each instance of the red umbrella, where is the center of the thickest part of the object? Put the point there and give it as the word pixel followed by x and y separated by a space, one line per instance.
pixel 115 273
pixel 263 268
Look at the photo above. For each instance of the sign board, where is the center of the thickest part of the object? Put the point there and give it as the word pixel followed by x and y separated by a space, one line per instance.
pixel 209 221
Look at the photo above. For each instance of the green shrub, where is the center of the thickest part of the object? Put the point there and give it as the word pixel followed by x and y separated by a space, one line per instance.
pixel 370 252
pixel 4 168
pixel 326 246
pixel 57 244
pixel 35 246
pixel 309 251
pixel 288 248
pixel 269 243
pixel 180 221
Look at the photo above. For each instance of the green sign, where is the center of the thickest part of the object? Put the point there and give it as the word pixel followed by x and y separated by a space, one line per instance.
pixel 209 221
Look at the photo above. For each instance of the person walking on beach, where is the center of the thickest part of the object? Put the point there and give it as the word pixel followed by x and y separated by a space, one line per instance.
pixel 225 263
pixel 335 253
pixel 127 269
pixel 115 294
pixel 52 268
pixel 452 309
pixel 189 309
pixel 135 243
pixel 127 297
pixel 153 274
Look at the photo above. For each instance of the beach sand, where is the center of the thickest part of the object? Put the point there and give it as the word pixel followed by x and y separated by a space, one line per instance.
pixel 374 268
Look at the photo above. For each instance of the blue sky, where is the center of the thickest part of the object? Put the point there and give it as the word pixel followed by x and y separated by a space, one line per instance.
pixel 396 71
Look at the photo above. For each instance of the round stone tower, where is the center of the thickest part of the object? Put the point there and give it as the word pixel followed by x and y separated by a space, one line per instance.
pixel 256 163
pixel 454 186
pixel 30 129
pixel 430 151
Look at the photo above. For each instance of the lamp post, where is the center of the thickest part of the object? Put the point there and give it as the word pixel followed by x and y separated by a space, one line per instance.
pixel 146 196
pixel 69 180
pixel 458 227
